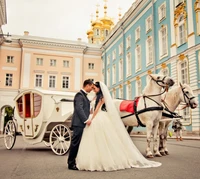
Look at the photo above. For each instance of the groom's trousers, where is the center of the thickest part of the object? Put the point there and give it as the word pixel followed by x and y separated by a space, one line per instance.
pixel 76 139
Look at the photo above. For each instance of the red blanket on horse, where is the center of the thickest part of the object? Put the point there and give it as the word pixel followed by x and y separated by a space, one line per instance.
pixel 128 105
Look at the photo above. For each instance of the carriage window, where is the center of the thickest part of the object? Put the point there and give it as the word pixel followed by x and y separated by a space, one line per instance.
pixel 27 105
pixel 20 106
pixel 37 100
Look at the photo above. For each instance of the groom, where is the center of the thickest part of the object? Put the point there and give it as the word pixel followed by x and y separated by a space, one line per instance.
pixel 80 115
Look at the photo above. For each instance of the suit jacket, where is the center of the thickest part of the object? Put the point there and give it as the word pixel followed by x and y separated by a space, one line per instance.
pixel 81 109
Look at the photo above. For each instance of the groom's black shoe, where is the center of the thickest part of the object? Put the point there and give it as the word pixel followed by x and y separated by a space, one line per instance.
pixel 73 167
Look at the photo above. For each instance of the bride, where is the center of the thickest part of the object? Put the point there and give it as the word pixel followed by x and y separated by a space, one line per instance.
pixel 105 144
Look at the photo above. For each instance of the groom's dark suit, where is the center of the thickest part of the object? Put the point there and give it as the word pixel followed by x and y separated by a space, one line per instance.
pixel 80 115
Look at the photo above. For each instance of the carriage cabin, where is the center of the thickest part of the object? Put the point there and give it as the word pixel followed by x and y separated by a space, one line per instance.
pixel 35 110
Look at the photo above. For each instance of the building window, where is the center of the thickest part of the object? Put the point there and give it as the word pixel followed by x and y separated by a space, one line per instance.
pixel 10 59
pixel 120 69
pixel 148 24
pixel 128 64
pixel 138 58
pixel 97 31
pixel 39 61
pixel 108 60
pixel 149 51
pixel 114 54
pixel 114 74
pixel 106 33
pixel 65 82
pixel 128 42
pixel 38 81
pixel 121 49
pixel 52 81
pixel 138 87
pixel 182 31
pixel 183 72
pixel 52 62
pixel 9 79
pixel 163 41
pixel 162 12
pixel 137 34
pixel 108 77
pixel 129 94
pixel 66 63
pixel 91 66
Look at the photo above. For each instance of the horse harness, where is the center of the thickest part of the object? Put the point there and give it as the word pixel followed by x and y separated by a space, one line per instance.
pixel 136 112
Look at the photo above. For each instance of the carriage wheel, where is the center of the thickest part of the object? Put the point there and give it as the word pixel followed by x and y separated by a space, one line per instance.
pixel 60 138
pixel 10 134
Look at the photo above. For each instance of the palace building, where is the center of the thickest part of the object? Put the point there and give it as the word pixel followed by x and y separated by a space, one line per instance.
pixel 155 36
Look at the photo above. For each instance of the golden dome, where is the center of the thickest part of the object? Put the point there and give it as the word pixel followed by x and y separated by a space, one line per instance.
pixel 90 32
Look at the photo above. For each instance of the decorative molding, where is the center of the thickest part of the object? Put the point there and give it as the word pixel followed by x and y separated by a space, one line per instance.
pixel 173 45
pixel 149 72
pixel 178 11
pixel 137 78
pixel 163 65
pixel 9 68
pixel 197 6
pixel 52 72
pixel 39 71
pixel 181 57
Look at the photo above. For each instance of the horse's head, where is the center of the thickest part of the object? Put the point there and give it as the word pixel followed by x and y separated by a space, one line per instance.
pixel 163 81
pixel 188 96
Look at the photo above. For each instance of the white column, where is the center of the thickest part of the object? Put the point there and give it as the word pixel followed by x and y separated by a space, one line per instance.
pixel 173 40
pixel 26 70
pixel 77 74
pixel 190 20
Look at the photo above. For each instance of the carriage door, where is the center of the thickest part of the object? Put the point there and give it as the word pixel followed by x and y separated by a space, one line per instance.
pixel 28 121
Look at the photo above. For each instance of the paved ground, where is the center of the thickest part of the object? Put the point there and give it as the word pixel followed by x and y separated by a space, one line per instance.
pixel 26 161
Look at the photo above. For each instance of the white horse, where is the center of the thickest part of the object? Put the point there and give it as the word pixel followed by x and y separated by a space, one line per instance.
pixel 149 109
pixel 172 99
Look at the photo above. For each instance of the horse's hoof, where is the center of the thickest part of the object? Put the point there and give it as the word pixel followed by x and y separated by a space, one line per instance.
pixel 163 153
pixel 166 152
pixel 158 155
pixel 149 156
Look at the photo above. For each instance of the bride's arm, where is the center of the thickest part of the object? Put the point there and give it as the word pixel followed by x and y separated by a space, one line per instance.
pixel 100 103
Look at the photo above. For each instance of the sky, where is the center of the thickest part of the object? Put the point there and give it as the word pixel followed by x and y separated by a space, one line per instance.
pixel 61 19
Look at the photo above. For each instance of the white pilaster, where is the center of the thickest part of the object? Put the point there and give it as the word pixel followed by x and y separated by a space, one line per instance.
pixel 190 20
pixel 173 40
pixel 77 74
pixel 26 70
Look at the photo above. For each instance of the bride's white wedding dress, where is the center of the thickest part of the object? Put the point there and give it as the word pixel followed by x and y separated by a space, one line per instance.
pixel 106 145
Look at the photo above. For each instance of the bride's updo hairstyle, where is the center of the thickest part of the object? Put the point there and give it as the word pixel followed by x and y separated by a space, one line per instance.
pixel 99 96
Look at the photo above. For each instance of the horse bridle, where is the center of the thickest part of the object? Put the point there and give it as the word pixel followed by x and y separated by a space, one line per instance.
pixel 160 81
pixel 157 82
pixel 186 96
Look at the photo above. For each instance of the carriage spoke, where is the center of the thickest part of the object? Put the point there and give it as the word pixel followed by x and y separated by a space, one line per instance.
pixel 60 139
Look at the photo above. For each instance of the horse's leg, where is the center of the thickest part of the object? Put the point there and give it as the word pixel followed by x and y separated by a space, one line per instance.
pixel 149 132
pixel 165 139
pixel 161 137
pixel 155 140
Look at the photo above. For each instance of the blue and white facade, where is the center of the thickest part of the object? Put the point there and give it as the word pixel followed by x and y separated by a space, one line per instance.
pixel 155 36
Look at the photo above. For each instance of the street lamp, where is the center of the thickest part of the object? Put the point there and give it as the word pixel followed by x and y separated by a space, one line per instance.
pixel 5 38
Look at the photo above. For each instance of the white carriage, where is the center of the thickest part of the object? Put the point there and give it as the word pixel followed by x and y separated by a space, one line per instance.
pixel 42 116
